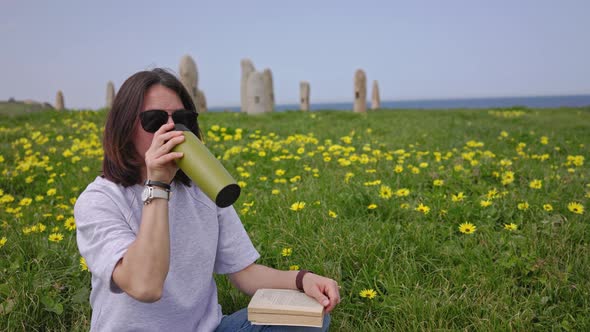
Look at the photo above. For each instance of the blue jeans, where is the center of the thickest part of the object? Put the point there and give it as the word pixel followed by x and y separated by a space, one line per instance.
pixel 238 321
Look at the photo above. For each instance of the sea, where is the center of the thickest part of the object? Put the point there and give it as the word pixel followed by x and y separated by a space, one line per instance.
pixel 442 104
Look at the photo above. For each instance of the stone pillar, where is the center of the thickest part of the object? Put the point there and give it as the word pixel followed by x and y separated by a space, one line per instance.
pixel 189 76
pixel 257 98
pixel 360 92
pixel 247 69
pixel 202 102
pixel 110 94
pixel 269 90
pixel 375 99
pixel 304 95
pixel 59 101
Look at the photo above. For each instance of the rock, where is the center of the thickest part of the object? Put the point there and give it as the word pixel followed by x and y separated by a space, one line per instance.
pixel 189 76
pixel 269 90
pixel 59 101
pixel 201 102
pixel 257 99
pixel 375 99
pixel 110 94
pixel 360 92
pixel 247 69
pixel 304 91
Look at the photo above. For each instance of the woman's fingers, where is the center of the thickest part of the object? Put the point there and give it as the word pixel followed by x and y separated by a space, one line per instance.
pixel 171 143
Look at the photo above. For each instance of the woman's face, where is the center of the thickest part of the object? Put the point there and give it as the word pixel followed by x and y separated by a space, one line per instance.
pixel 157 97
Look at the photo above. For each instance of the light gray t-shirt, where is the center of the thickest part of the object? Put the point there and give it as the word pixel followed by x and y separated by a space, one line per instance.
pixel 204 239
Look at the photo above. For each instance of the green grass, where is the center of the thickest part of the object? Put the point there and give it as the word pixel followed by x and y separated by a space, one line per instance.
pixel 17 108
pixel 427 274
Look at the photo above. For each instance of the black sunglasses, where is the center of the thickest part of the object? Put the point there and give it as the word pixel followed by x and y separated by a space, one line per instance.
pixel 152 120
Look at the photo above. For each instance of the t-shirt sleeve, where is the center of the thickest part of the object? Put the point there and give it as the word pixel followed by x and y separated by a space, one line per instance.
pixel 234 248
pixel 102 233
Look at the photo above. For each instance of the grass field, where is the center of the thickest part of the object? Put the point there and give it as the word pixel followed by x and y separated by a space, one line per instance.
pixel 429 220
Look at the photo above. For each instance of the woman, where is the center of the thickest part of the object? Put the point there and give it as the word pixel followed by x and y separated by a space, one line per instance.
pixel 152 239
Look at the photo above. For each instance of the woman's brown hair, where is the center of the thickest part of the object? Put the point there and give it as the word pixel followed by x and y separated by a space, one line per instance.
pixel 122 163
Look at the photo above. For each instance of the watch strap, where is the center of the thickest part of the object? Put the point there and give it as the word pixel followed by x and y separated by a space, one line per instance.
pixel 152 183
pixel 155 192
pixel 299 279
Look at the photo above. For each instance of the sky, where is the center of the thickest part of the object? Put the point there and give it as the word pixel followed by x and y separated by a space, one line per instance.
pixel 422 49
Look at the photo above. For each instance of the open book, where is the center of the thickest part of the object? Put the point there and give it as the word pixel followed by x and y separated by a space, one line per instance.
pixel 284 307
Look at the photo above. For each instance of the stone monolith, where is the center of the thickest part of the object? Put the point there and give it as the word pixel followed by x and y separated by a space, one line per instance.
pixel 59 101
pixel 375 99
pixel 257 99
pixel 110 94
pixel 189 76
pixel 304 95
pixel 360 92
pixel 247 69
pixel 201 102
pixel 269 90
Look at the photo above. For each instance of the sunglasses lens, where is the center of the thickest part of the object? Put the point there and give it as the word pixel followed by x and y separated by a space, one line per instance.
pixel 187 118
pixel 152 120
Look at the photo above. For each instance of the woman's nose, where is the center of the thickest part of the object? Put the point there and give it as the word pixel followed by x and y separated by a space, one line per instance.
pixel 170 120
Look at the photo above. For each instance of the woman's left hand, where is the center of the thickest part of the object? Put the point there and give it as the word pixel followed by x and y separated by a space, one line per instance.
pixel 324 290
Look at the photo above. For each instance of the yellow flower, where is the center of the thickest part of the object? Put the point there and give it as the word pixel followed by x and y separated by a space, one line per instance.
pixel 576 207
pixel 485 203
pixel 263 178
pixel 422 208
pixel 544 140
pixel 286 252
pixel 507 177
pixel 398 168
pixel 458 198
pixel 70 224
pixel 51 192
pixel 492 194
pixel 404 206
pixel 275 192
pixel 280 172
pixel 372 206
pixel 242 184
pixel 547 207
pixel 3 241
pixel 510 227
pixel 294 267
pixel 7 199
pixel 523 206
pixel 297 206
pixel 56 237
pixel 438 183
pixel 536 184
pixel 368 293
pixel 83 265
pixel 348 176
pixel 467 228
pixel 385 192
pixel 332 214
pixel 25 201
pixel 402 192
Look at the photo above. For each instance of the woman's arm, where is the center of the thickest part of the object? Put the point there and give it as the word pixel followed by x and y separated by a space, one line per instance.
pixel 143 269
pixel 256 276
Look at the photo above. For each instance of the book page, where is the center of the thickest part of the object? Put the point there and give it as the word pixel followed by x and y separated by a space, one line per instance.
pixel 288 297
pixel 285 301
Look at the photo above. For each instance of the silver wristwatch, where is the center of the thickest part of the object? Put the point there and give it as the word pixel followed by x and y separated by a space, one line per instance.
pixel 149 193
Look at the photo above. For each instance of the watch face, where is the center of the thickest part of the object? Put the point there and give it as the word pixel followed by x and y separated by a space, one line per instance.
pixel 145 194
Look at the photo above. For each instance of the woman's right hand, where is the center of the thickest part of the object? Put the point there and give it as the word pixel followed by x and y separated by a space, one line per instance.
pixel 159 160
